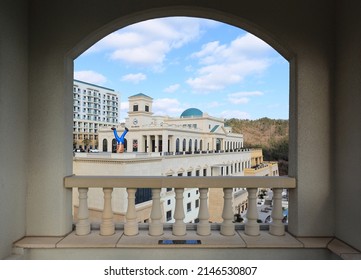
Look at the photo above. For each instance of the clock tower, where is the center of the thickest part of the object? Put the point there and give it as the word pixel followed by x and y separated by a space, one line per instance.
pixel 140 110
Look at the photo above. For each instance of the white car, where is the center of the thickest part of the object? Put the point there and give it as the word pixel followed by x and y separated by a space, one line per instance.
pixel 94 151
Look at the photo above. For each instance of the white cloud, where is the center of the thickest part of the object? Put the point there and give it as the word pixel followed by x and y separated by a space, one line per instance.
pixel 147 43
pixel 228 64
pixel 167 106
pixel 134 78
pixel 234 114
pixel 242 97
pixel 172 88
pixel 90 77
pixel 124 108
pixel 213 104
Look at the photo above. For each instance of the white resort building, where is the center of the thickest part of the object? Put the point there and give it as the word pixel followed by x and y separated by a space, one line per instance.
pixel 93 106
pixel 195 144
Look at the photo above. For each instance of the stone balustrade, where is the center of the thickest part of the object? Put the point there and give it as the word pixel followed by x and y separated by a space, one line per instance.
pixel 156 183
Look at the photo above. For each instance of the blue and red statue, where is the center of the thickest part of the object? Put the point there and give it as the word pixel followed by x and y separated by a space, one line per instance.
pixel 120 140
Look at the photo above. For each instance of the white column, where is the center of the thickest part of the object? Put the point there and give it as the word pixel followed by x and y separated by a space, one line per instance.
pixel 165 142
pixel 227 226
pixel 107 226
pixel 83 224
pixel 179 227
pixel 277 227
pixel 203 227
pixel 156 142
pixel 252 227
pixel 149 144
pixel 141 145
pixel 156 225
pixel 131 224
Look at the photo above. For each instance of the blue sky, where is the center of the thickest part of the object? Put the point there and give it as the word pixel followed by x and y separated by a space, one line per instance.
pixel 184 62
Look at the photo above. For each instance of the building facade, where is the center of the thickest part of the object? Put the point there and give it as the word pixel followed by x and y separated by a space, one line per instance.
pixel 195 144
pixel 193 132
pixel 94 106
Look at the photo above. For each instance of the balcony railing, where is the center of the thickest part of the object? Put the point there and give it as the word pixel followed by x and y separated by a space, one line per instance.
pixel 156 183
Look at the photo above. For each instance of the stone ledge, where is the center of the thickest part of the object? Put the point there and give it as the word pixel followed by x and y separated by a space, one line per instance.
pixel 342 249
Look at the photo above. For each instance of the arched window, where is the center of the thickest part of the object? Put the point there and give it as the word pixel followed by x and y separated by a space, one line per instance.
pixel 201 145
pixel 125 144
pixel 105 145
pixel 195 145
pixel 114 145
pixel 184 145
pixel 177 145
pixel 218 144
pixel 190 146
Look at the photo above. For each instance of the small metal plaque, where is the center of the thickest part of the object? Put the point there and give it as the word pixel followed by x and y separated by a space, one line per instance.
pixel 179 242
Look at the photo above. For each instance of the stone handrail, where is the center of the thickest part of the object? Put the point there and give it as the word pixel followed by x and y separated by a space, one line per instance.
pixel 156 183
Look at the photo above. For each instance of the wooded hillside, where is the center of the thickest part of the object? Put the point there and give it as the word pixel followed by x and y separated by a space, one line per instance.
pixel 269 134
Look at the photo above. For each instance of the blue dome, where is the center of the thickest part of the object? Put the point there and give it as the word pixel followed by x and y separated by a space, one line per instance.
pixel 191 112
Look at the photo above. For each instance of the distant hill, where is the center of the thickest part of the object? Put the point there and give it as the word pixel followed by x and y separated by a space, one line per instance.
pixel 269 134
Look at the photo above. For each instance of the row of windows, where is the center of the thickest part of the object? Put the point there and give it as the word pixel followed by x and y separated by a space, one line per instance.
pixel 105 108
pixel 169 215
pixel 228 145
pixel 235 168
pixel 197 173
pixel 136 108
pixel 81 124
pixel 109 119
pixel 95 105
pixel 92 93
pixel 82 137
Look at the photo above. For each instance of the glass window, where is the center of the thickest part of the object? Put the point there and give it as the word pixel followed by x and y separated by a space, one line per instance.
pixel 169 215
pixel 189 207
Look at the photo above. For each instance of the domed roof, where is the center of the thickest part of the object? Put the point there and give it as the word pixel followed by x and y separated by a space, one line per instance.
pixel 191 112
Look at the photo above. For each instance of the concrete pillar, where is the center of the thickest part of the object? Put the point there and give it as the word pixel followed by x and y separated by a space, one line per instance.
pixel 203 227
pixel 179 226
pixel 277 227
pixel 149 144
pixel 83 224
pixel 156 225
pixel 156 143
pixel 227 226
pixel 107 226
pixel 165 142
pixel 131 224
pixel 252 227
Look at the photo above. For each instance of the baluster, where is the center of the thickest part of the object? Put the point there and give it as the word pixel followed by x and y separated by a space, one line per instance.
pixel 131 224
pixel 107 226
pixel 83 224
pixel 203 227
pixel 251 226
pixel 227 226
pixel 179 227
pixel 156 225
pixel 277 227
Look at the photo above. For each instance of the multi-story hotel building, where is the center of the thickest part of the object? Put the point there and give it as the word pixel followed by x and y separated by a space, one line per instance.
pixel 194 144
pixel 93 107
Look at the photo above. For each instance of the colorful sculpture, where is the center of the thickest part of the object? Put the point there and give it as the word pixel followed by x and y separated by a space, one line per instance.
pixel 120 140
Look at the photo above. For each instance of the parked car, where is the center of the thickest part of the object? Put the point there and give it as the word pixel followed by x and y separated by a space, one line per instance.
pixel 94 151
pixel 79 150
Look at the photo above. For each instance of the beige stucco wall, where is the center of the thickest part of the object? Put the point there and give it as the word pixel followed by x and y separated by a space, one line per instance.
pixel 13 122
pixel 324 151
pixel 347 120
pixel 67 34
